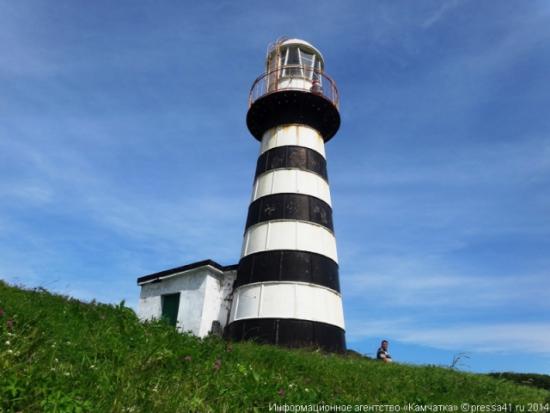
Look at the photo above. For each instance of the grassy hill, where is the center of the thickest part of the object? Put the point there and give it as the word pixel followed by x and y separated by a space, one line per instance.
pixel 537 380
pixel 58 354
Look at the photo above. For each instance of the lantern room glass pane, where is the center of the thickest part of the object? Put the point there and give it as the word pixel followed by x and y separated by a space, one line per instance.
pixel 307 60
pixel 290 62
pixel 315 73
pixel 293 60
pixel 293 56
pixel 297 62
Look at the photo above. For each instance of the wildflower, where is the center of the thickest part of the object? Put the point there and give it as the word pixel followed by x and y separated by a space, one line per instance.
pixel 217 365
pixel 10 351
pixel 187 358
pixel 7 343
pixel 281 392
pixel 307 390
pixel 92 366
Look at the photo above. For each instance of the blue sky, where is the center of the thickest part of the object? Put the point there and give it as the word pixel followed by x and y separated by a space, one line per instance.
pixel 124 151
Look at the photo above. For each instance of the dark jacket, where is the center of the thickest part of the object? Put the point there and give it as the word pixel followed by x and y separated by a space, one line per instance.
pixel 382 354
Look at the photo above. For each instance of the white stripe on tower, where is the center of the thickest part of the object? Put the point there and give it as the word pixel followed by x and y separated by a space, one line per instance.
pixel 296 134
pixel 279 181
pixel 302 301
pixel 289 235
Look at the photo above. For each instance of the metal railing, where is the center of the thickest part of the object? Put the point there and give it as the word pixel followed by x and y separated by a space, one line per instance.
pixel 295 77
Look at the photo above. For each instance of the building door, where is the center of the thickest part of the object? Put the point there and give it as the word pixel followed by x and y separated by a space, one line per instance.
pixel 170 305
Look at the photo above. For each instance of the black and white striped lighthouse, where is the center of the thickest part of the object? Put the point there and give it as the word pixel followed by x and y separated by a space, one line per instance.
pixel 287 289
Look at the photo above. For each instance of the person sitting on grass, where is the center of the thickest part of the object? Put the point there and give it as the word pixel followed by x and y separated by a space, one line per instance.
pixel 382 353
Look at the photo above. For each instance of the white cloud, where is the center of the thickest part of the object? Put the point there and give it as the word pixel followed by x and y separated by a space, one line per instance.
pixel 26 192
pixel 74 185
pixel 526 160
pixel 86 227
pixel 408 285
pixel 440 13
pixel 531 337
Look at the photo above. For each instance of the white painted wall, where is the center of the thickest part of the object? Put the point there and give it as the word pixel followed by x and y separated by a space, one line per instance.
pixel 226 297
pixel 205 295
pixel 218 293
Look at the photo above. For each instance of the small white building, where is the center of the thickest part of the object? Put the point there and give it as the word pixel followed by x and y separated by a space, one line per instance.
pixel 196 297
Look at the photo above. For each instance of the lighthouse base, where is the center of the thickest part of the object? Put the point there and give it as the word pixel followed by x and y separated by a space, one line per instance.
pixel 289 333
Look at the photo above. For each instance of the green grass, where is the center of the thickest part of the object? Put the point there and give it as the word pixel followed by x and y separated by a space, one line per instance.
pixel 58 354
pixel 536 380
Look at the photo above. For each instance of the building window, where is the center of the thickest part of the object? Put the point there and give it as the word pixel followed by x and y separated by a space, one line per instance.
pixel 170 305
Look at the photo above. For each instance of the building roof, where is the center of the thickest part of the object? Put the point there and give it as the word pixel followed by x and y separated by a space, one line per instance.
pixel 166 273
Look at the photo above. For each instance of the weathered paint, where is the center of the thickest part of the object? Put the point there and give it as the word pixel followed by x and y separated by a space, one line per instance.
pixel 295 134
pixel 292 157
pixel 290 206
pixel 205 295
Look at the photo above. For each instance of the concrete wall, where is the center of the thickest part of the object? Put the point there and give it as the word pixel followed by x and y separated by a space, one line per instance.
pixel 205 296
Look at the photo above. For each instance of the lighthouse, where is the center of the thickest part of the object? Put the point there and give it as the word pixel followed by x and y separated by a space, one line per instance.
pixel 287 289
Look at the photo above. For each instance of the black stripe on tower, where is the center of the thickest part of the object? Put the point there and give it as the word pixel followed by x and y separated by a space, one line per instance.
pixel 289 332
pixel 293 106
pixel 291 156
pixel 288 265
pixel 290 206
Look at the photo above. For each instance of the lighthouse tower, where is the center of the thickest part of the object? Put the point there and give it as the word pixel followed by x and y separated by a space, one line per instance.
pixel 287 289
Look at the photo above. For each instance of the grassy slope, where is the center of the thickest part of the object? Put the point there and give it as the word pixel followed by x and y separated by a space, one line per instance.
pixel 71 356
pixel 537 380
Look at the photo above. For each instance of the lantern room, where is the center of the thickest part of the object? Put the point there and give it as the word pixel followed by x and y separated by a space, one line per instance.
pixel 293 89
pixel 294 52
pixel 294 63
